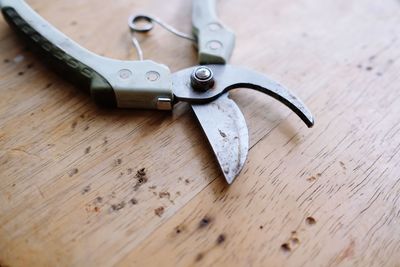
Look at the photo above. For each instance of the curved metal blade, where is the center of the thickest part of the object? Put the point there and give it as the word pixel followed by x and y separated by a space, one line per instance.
pixel 226 130
pixel 228 77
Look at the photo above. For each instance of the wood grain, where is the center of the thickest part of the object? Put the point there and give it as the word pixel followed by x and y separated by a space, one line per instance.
pixel 72 188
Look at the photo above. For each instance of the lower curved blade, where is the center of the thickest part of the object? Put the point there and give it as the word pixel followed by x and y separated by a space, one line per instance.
pixel 226 130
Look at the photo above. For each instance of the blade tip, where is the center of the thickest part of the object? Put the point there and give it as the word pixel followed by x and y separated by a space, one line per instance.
pixel 229 181
pixel 310 123
pixel 308 120
pixel 229 178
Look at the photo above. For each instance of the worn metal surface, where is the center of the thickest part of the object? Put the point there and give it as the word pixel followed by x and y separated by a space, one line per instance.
pixel 226 130
pixel 228 77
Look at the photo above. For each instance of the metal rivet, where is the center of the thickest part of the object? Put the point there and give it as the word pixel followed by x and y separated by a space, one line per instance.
pixel 214 45
pixel 125 74
pixel 214 26
pixel 152 76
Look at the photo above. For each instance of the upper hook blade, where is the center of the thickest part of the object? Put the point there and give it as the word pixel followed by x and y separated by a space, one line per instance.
pixel 228 77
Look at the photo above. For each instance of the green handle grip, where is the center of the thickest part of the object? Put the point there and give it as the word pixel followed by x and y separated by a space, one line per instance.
pixel 215 41
pixel 111 83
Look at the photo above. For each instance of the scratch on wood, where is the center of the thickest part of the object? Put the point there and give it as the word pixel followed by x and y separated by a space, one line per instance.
pixel 346 253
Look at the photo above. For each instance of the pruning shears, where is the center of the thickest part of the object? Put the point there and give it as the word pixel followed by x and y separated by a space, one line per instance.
pixel 145 84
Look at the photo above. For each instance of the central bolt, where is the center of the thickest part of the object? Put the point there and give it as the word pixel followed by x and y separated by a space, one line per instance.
pixel 202 79
pixel 203 73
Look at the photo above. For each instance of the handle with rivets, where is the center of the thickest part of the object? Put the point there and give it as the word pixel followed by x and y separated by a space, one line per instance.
pixel 110 82
pixel 215 41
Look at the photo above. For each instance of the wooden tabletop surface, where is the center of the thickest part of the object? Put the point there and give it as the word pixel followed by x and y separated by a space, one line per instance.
pixel 83 186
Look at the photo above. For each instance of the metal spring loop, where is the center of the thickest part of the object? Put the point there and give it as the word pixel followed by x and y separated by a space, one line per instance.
pixel 145 23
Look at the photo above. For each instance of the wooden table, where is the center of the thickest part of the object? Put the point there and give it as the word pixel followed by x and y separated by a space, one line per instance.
pixel 72 188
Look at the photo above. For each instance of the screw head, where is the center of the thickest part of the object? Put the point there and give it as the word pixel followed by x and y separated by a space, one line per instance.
pixel 203 73
pixel 202 79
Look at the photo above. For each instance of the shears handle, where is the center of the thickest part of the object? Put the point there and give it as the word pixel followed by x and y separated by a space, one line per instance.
pixel 110 82
pixel 215 41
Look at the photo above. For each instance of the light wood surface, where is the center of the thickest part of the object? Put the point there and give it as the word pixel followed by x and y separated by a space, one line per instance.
pixel 72 192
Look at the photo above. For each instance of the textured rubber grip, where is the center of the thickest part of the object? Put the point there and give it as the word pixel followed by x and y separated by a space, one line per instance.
pixel 110 82
pixel 71 68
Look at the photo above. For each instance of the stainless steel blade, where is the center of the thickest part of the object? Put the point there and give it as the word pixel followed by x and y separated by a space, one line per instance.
pixel 228 77
pixel 226 130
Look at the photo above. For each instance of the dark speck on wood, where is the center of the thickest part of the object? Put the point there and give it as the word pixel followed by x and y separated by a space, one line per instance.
pixel 179 229
pixel 205 222
pixel 310 221
pixel 74 124
pixel 141 172
pixel 311 179
pixel 141 178
pixel 87 150
pixel 199 257
pixel 164 195
pixel 342 164
pixel 221 239
pixel 73 172
pixel 286 247
pixel 86 189
pixel 159 211
pixel 133 201
pixel 119 206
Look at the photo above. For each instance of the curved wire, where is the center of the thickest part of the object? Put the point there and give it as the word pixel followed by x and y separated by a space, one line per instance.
pixel 148 26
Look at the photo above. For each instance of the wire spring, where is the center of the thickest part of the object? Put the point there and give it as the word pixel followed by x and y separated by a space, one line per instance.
pixel 145 23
